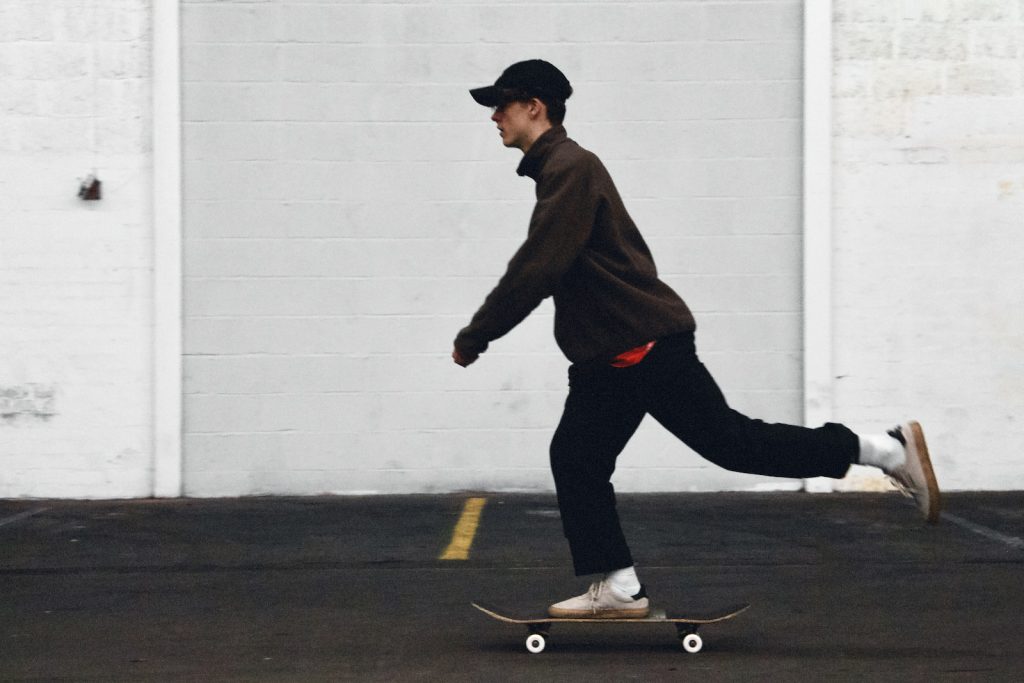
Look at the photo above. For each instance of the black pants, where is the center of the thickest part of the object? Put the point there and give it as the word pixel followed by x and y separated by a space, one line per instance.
pixel 604 408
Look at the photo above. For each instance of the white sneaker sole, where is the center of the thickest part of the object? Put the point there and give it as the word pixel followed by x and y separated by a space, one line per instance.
pixel 919 466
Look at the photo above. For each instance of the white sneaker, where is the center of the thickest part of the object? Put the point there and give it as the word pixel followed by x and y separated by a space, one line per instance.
pixel 603 601
pixel 915 476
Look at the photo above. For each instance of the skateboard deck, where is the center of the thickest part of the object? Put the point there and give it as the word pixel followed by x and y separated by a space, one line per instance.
pixel 539 625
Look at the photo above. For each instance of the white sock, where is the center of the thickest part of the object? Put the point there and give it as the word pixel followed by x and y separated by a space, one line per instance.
pixel 625 580
pixel 882 451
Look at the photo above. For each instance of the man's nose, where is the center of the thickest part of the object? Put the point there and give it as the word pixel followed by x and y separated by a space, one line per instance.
pixel 496 116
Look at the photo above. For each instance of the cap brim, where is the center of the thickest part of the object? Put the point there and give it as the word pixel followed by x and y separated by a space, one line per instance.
pixel 488 96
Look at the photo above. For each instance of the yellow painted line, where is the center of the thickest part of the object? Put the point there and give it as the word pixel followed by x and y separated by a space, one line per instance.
pixel 465 530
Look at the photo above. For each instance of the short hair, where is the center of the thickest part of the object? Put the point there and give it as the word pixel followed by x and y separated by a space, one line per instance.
pixel 555 107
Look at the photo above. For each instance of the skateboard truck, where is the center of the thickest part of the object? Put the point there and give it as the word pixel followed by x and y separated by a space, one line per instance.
pixel 538 638
pixel 688 638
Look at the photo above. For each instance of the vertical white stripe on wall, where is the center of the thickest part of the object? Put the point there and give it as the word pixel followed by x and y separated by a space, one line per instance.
pixel 167 266
pixel 817 219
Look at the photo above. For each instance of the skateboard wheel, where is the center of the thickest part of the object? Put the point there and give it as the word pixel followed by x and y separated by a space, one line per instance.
pixel 692 643
pixel 535 643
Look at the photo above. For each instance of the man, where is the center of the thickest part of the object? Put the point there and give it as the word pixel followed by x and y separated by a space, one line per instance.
pixel 630 339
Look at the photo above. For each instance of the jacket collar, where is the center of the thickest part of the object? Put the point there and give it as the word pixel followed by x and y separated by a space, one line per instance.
pixel 533 160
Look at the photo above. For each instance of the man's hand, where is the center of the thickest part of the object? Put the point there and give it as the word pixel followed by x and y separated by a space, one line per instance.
pixel 463 359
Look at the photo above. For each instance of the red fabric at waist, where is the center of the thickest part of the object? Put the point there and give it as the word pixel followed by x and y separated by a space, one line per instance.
pixel 633 356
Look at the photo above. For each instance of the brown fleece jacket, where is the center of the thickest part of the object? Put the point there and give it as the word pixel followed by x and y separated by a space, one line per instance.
pixel 584 250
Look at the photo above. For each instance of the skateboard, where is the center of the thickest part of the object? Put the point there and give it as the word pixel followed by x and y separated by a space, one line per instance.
pixel 686 627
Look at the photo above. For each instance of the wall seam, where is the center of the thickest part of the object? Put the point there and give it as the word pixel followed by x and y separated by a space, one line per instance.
pixel 817 220
pixel 167 254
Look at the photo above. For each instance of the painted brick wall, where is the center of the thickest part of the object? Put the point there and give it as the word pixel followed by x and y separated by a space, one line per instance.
pixel 929 114
pixel 348 207
pixel 325 139
pixel 74 276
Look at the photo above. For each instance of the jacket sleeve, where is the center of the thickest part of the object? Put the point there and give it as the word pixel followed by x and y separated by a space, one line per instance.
pixel 560 227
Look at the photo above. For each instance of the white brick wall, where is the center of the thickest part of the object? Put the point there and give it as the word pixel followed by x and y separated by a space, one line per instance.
pixel 348 206
pixel 929 196
pixel 74 276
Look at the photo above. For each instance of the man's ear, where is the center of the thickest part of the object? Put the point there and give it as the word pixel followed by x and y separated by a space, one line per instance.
pixel 537 108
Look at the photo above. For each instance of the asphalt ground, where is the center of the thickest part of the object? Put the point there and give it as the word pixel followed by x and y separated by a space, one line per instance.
pixel 842 587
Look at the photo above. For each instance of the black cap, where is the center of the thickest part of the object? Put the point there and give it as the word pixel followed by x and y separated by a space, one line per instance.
pixel 532 78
